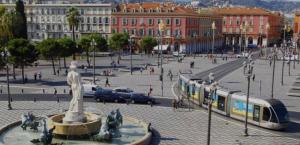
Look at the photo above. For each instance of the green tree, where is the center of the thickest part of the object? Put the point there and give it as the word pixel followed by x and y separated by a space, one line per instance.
pixel 22 53
pixel 147 44
pixel 85 44
pixel 49 49
pixel 66 47
pixel 118 41
pixel 73 18
pixel 101 42
pixel 6 24
pixel 20 24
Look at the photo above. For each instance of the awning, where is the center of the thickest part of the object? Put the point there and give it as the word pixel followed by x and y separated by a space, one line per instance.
pixel 164 47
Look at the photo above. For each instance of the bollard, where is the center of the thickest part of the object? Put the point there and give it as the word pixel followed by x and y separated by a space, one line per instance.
pixel 34 99
pixel 43 91
pixel 11 99
pixel 57 99
pixel 1 91
pixel 22 91
pixel 64 91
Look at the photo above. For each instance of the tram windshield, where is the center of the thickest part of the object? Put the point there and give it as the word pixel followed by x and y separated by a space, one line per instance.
pixel 280 111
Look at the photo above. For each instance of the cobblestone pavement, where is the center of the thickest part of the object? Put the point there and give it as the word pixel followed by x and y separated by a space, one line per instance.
pixel 181 127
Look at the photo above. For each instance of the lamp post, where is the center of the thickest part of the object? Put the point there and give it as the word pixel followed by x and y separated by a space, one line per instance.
pixel 249 66
pixel 245 30
pixel 93 44
pixel 241 30
pixel 213 27
pixel 5 60
pixel 267 34
pixel 178 43
pixel 273 74
pixel 283 54
pixel 195 44
pixel 161 29
pixel 212 91
pixel 130 45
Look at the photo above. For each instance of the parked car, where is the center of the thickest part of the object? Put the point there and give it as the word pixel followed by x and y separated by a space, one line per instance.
pixel 90 89
pixel 141 98
pixel 107 95
pixel 123 90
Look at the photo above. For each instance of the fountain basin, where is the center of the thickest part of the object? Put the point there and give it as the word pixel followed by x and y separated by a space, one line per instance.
pixel 75 130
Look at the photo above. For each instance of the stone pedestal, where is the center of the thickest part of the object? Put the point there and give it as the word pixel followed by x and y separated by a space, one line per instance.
pixel 74 117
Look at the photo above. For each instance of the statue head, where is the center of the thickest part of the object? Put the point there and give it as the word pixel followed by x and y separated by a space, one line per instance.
pixel 73 65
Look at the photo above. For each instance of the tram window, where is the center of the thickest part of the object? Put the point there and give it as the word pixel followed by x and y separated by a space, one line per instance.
pixel 193 89
pixel 266 115
pixel 206 94
pixel 273 116
pixel 221 103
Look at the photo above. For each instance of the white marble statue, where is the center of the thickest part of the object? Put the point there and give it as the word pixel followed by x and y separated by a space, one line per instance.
pixel 75 113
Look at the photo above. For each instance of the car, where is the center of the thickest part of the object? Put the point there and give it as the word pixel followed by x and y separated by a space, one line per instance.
pixel 107 95
pixel 141 98
pixel 123 90
pixel 90 89
pixel 176 54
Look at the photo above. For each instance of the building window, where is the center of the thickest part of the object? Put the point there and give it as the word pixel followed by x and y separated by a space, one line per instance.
pixel 150 32
pixel 238 21
pixel 141 21
pixel 100 20
pixel 106 20
pixel 230 30
pixel 133 32
pixel 158 21
pixel 168 32
pixel 150 21
pixel 168 21
pixel 114 21
pixel 177 21
pixel 88 19
pixel 224 29
pixel 133 22
pixel 125 30
pixel 177 32
pixel 114 31
pixel 237 30
pixel 141 32
pixel 94 20
pixel 124 21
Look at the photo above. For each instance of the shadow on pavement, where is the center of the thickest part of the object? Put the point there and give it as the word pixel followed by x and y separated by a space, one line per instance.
pixel 155 137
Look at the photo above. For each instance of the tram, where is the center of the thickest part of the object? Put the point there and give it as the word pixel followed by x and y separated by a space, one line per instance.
pixel 266 113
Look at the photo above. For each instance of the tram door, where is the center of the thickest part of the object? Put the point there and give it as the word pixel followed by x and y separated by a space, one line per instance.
pixel 256 113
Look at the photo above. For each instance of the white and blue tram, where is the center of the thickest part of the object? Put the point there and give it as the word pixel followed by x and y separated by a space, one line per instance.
pixel 269 113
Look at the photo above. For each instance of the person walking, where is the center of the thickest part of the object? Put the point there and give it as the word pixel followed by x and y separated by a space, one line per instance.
pixel 35 76
pixel 107 82
pixel 66 71
pixel 150 91
pixel 141 70
pixel 253 77
pixel 40 75
pixel 174 104
pixel 57 72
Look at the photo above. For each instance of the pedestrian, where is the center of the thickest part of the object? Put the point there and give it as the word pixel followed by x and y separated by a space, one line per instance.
pixel 226 58
pixel 85 69
pixel 118 61
pixel 171 77
pixel 141 70
pixel 253 77
pixel 107 82
pixel 66 71
pixel 174 104
pixel 26 79
pixel 57 72
pixel 35 76
pixel 40 75
pixel 150 91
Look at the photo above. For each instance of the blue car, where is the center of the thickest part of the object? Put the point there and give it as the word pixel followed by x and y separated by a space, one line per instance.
pixel 141 98
pixel 106 95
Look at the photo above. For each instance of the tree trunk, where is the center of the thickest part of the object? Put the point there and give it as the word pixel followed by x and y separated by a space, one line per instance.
pixel 88 59
pixel 22 68
pixel 65 65
pixel 54 73
pixel 14 72
pixel 59 65
pixel 73 31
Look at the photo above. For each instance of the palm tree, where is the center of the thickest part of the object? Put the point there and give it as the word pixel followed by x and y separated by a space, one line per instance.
pixel 73 18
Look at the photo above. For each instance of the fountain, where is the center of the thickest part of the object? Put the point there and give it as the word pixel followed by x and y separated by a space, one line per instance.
pixel 76 126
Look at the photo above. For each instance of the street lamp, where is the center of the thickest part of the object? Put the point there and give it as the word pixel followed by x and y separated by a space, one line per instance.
pixel 161 29
pixel 248 65
pixel 130 45
pixel 212 91
pixel 195 44
pixel 93 44
pixel 273 74
pixel 283 53
pixel 241 30
pixel 245 30
pixel 5 55
pixel 178 46
pixel 267 34
pixel 213 27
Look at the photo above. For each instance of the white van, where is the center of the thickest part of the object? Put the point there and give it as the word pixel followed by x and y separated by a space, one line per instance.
pixel 89 90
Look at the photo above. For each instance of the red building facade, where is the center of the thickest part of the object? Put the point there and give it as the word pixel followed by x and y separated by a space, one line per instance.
pixel 262 27
pixel 183 26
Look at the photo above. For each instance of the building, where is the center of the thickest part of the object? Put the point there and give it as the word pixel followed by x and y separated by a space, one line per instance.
pixel 262 27
pixel 50 21
pixel 296 26
pixel 184 27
